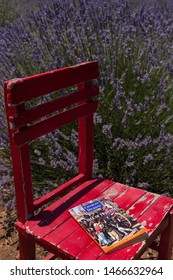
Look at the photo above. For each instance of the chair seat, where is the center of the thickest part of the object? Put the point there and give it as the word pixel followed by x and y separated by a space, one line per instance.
pixel 55 229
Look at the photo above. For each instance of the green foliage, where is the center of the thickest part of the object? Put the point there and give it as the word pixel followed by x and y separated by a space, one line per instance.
pixel 133 126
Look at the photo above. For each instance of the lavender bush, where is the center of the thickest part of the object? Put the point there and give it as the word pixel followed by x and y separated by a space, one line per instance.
pixel 134 47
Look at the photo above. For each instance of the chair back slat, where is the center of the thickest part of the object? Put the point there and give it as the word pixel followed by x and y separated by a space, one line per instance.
pixel 50 124
pixel 25 89
pixel 51 106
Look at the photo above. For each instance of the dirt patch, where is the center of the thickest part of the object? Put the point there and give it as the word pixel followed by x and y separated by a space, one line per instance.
pixel 9 249
pixel 8 237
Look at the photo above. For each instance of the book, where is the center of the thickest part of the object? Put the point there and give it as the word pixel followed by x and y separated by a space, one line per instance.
pixel 108 225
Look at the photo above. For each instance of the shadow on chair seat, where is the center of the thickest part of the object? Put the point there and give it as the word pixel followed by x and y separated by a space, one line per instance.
pixel 55 229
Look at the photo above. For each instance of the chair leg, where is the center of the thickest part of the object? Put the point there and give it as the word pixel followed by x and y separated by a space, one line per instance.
pixel 26 248
pixel 166 240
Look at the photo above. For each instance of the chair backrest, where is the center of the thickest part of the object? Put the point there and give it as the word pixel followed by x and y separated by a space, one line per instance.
pixel 25 125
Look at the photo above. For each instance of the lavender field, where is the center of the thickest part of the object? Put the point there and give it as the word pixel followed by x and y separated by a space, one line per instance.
pixel 133 42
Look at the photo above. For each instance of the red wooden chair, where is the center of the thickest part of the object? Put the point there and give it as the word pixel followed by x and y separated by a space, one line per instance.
pixel 53 228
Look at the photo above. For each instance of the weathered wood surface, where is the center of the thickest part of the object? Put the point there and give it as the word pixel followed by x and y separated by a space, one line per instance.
pixel 50 124
pixel 49 107
pixel 25 89
pixel 61 233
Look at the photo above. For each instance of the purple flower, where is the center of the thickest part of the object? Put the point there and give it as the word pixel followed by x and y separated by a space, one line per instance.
pixel 74 138
pixel 130 161
pixel 53 163
pixel 41 161
pixel 118 143
pixel 143 185
pixel 148 158
pixel 37 152
pixel 97 118
pixel 106 129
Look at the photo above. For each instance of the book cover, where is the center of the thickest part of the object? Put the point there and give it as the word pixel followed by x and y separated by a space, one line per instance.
pixel 108 225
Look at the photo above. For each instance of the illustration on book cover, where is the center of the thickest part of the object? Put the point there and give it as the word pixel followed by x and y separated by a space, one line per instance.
pixel 108 225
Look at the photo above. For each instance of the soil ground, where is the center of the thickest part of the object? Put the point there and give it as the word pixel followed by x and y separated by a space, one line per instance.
pixel 9 249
